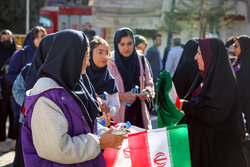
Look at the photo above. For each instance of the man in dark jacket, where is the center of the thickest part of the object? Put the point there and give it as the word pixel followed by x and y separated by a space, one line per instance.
pixel 89 32
pixel 154 58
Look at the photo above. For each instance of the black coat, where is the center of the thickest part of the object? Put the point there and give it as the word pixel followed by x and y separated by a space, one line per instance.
pixel 214 122
pixel 5 89
pixel 244 72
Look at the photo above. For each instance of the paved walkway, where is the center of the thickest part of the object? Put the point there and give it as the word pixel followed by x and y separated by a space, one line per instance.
pixel 6 159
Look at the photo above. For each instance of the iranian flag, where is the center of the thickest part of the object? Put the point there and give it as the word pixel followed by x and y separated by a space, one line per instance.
pixel 173 95
pixel 164 147
pixel 167 101
pixel 121 157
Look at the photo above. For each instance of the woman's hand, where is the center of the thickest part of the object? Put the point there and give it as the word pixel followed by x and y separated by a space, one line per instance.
pixel 104 108
pixel 127 97
pixel 107 140
pixel 107 118
pixel 144 95
pixel 181 104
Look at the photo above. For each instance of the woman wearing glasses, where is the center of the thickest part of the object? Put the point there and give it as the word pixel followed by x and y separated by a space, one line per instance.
pixel 242 71
pixel 100 77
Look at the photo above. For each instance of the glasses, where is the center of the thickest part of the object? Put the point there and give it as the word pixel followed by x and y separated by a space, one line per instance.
pixel 102 53
pixel 235 45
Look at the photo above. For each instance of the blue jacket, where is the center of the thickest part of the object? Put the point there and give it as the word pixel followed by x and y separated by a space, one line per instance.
pixel 16 62
pixel 19 88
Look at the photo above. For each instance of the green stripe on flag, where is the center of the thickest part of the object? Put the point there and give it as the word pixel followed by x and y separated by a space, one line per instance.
pixel 179 145
pixel 168 113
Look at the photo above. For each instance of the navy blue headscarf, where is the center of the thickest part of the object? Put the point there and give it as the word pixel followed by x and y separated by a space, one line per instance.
pixel 64 64
pixel 101 78
pixel 29 40
pixel 128 67
pixel 38 60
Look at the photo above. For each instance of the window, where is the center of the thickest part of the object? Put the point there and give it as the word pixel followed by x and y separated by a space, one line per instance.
pixel 45 21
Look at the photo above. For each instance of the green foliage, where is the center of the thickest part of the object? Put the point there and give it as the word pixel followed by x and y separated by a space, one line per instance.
pixel 13 14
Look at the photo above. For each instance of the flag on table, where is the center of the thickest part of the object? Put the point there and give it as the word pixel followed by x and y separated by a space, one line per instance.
pixel 121 157
pixel 167 101
pixel 164 147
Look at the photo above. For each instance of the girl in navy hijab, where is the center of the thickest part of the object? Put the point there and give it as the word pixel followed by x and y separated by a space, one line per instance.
pixel 212 109
pixel 60 125
pixel 99 75
pixel 127 69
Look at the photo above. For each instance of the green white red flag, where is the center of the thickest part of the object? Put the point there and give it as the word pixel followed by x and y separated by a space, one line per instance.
pixel 167 101
pixel 164 147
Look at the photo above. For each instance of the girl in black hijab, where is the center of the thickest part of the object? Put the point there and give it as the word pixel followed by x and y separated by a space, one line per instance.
pixel 100 76
pixel 187 69
pixel 212 110
pixel 242 71
pixel 127 69
pixel 60 124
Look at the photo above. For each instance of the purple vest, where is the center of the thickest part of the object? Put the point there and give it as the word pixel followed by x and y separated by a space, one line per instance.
pixel 77 126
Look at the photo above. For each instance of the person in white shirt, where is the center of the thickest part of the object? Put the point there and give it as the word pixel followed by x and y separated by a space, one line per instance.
pixel 174 56
pixel 100 77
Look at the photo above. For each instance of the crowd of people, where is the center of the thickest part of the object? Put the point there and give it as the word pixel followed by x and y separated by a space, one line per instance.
pixel 56 88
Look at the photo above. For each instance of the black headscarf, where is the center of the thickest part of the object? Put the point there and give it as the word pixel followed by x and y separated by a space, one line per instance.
pixel 38 60
pixel 219 91
pixel 6 53
pixel 128 67
pixel 243 74
pixel 189 52
pixel 89 86
pixel 187 69
pixel 64 64
pixel 101 78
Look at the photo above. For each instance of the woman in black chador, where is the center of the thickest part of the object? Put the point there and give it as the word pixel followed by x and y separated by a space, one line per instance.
pixel 241 67
pixel 187 69
pixel 212 109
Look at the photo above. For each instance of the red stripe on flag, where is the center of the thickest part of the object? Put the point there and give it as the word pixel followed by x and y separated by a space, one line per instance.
pixel 178 102
pixel 139 149
pixel 23 111
pixel 110 156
